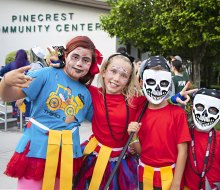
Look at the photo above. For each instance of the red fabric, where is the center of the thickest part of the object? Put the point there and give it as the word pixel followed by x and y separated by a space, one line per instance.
pixel 156 179
pixel 161 131
pixel 117 116
pixel 213 175
pixel 33 168
pixel 94 69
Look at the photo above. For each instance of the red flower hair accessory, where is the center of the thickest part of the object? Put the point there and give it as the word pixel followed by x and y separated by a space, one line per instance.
pixel 94 69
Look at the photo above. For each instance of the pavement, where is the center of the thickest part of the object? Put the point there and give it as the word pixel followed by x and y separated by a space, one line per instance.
pixel 8 142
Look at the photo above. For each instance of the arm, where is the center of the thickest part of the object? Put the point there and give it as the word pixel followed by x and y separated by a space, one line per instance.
pixel 12 84
pixel 180 166
pixel 135 144
pixel 183 96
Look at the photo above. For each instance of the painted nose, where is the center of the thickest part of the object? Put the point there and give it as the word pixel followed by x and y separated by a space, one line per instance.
pixel 116 77
pixel 79 62
pixel 205 113
pixel 157 88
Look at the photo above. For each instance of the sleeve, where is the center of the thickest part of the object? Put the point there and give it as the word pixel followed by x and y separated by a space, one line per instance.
pixel 139 104
pixel 4 70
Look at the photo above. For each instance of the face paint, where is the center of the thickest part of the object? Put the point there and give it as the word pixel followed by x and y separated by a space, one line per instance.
pixel 78 62
pixel 123 73
pixel 156 85
pixel 206 111
pixel 117 75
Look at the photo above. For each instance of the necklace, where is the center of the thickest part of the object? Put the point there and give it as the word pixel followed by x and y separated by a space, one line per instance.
pixel 108 120
pixel 206 168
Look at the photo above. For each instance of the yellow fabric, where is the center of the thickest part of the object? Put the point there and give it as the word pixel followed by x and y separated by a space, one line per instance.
pixel 148 178
pixel 22 107
pixel 186 188
pixel 166 177
pixel 66 171
pixel 90 147
pixel 100 166
pixel 51 160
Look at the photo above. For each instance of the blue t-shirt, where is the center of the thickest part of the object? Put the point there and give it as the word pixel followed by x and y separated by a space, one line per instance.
pixel 59 103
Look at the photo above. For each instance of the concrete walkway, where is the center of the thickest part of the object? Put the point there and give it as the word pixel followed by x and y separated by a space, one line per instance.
pixel 8 141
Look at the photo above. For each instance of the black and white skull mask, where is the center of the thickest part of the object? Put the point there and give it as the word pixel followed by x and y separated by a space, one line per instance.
pixel 156 85
pixel 205 111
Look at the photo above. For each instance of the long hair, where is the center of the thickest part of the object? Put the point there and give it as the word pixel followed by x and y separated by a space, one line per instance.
pixel 132 87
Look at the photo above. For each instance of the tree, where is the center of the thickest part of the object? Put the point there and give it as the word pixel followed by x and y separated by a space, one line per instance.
pixel 187 27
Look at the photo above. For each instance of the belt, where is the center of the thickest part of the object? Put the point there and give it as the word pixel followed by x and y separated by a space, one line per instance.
pixel 53 149
pixel 40 125
pixel 166 174
pixel 155 168
pixel 103 157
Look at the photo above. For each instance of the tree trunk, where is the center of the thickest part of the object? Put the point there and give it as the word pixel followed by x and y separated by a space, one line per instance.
pixel 198 54
pixel 196 73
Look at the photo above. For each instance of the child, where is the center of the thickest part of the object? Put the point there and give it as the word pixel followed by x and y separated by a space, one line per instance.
pixel 38 162
pixel 179 79
pixel 114 107
pixel 204 150
pixel 164 132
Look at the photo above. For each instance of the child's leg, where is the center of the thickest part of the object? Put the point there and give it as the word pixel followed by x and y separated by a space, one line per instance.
pixel 27 184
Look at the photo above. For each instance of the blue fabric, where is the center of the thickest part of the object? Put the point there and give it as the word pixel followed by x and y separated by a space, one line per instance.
pixel 9 67
pixel 49 92
pixel 178 95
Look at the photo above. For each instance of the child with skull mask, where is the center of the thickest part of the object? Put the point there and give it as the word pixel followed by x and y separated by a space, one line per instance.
pixel 164 132
pixel 203 162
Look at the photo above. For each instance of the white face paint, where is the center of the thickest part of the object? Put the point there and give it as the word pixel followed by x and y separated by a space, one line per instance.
pixel 78 63
pixel 156 85
pixel 205 112
pixel 116 76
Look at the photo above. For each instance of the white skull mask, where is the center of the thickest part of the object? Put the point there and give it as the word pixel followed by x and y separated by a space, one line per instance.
pixel 156 85
pixel 205 112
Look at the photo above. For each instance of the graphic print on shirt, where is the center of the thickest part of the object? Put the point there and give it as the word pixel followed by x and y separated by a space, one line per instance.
pixel 62 99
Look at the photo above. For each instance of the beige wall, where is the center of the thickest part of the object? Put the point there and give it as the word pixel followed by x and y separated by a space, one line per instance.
pixel 49 23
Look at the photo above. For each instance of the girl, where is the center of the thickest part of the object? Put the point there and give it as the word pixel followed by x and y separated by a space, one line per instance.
pixel 39 162
pixel 114 108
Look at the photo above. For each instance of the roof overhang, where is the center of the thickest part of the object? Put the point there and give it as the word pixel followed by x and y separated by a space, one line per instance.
pixel 88 3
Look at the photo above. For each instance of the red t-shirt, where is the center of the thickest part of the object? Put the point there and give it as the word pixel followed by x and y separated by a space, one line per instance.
pixel 213 174
pixel 160 133
pixel 117 116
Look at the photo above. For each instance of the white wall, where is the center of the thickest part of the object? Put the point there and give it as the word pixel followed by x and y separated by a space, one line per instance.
pixel 10 41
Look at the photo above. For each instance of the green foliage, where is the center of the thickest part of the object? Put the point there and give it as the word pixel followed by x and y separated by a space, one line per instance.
pixel 215 87
pixel 164 25
pixel 218 126
pixel 10 57
pixel 186 27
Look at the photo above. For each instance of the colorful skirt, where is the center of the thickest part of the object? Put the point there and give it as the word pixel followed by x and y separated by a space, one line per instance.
pixel 124 179
pixel 33 168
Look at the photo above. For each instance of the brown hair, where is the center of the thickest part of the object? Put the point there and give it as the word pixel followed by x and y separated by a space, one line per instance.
pixel 85 42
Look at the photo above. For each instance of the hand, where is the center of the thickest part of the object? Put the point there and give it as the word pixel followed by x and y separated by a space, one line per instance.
pixel 53 56
pixel 19 102
pixel 185 93
pixel 18 78
pixel 134 127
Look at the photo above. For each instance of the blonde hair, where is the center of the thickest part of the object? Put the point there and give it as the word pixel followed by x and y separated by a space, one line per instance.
pixel 132 87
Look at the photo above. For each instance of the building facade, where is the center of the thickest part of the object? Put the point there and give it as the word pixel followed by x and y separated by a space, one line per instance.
pixel 28 23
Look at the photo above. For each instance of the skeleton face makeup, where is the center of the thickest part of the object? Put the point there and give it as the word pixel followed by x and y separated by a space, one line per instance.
pixel 206 112
pixel 156 85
